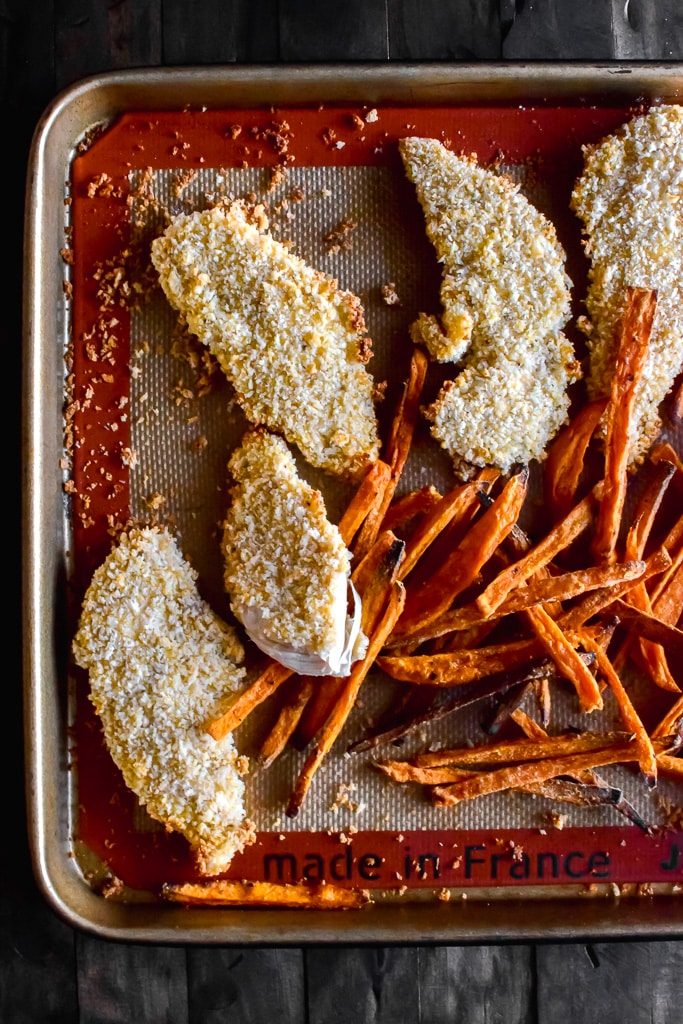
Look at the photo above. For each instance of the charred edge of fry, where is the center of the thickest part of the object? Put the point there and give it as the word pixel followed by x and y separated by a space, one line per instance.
pixel 446 701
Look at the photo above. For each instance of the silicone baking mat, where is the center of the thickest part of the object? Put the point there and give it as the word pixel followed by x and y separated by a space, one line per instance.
pixel 149 426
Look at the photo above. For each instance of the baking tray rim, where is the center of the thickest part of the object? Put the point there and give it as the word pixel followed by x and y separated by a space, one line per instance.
pixel 98 99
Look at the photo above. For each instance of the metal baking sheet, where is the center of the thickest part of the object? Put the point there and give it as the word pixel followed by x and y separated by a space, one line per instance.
pixel 66 864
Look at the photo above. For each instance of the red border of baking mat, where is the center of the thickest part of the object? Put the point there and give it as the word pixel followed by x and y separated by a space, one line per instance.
pixel 549 139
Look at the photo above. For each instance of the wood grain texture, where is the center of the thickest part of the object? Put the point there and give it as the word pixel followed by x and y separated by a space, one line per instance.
pixel 49 973
pixel 613 983
pixel 246 986
pixel 92 37
pixel 223 31
pixel 126 983
pixel 478 983
pixel 445 30
pixel 37 953
pixel 312 31
pixel 373 985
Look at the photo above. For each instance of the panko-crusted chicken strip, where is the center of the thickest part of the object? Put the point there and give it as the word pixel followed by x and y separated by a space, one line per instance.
pixel 630 200
pixel 290 341
pixel 505 297
pixel 287 570
pixel 161 664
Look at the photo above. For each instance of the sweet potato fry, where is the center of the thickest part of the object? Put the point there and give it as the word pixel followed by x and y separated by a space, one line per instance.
pixel 397 449
pixel 461 567
pixel 594 603
pixel 514 751
pixel 559 538
pixel 670 764
pixel 519 775
pixel 369 492
pixel 546 590
pixel 558 646
pixel 225 893
pixel 410 505
pixel 452 507
pixel 672 721
pixel 633 342
pixel 454 668
pixel 378 629
pixel 651 627
pixel 286 722
pixel 273 676
pixel 629 715
pixel 566 455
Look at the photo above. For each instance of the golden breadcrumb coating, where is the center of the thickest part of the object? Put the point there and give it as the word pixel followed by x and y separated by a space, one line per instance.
pixel 630 199
pixel 161 664
pixel 286 566
pixel 290 341
pixel 505 297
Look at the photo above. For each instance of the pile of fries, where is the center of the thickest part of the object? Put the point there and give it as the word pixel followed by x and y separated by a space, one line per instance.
pixel 460 604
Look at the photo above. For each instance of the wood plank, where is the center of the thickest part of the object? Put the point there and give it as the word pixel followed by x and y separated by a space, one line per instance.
pixel 312 31
pixel 246 986
pixel 37 954
pixel 121 983
pixel 638 982
pixel 645 31
pixel 557 30
pixel 434 985
pixel 478 983
pixel 364 985
pixel 220 32
pixel 433 30
pixel 92 37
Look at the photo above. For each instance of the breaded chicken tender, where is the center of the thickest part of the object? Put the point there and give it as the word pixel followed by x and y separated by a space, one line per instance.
pixel 505 297
pixel 161 664
pixel 290 341
pixel 287 569
pixel 630 199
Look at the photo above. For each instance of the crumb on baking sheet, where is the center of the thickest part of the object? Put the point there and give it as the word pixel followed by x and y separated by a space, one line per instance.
pixel 340 237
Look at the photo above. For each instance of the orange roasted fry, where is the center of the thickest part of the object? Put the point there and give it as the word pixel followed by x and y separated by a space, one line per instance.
pixel 398 447
pixel 566 455
pixel 461 567
pixel 225 893
pixel 410 505
pixel 463 665
pixel 569 663
pixel 519 775
pixel 453 506
pixel 596 602
pixel 273 676
pixel 514 751
pixel 633 342
pixel 286 722
pixel 543 590
pixel 538 557
pixel 377 626
pixel 629 715
pixel 369 492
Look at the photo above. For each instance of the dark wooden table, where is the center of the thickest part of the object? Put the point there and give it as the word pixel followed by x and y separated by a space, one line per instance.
pixel 48 971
